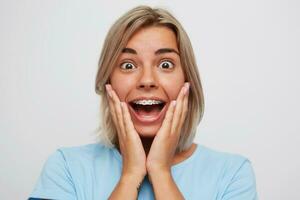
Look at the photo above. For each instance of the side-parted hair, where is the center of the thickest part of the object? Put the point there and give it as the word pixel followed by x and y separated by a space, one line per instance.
pixel 117 39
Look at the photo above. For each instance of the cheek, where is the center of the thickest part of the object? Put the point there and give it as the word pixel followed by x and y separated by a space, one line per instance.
pixel 122 85
pixel 172 86
pixel 172 90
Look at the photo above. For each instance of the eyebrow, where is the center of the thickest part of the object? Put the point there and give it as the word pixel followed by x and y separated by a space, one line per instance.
pixel 157 52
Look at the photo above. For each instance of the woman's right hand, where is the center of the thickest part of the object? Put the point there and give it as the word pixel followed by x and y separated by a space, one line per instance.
pixel 130 144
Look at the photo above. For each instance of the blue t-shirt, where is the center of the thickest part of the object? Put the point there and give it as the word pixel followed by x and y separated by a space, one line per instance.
pixel 92 171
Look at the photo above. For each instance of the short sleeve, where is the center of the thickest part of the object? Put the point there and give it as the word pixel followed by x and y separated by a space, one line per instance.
pixel 242 185
pixel 55 181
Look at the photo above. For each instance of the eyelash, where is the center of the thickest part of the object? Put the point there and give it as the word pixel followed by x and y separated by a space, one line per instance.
pixel 126 62
pixel 163 61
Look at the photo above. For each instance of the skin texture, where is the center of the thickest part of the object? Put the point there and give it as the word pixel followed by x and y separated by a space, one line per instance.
pixel 148 78
pixel 149 148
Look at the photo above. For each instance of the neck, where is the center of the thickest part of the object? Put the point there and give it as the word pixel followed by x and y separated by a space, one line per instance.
pixel 147 142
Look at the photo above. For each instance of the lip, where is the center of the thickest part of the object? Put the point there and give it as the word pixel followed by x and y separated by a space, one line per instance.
pixel 147 98
pixel 148 120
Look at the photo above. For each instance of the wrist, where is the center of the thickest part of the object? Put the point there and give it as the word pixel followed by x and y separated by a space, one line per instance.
pixel 159 175
pixel 158 169
pixel 132 180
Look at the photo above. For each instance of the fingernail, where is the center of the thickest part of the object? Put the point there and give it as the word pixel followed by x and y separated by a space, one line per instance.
pixel 173 103
pixel 108 86
pixel 108 90
pixel 186 87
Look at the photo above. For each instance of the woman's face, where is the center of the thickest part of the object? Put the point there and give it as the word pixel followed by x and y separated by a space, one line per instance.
pixel 148 76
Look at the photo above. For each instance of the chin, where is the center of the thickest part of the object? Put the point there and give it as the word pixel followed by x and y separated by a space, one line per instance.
pixel 147 131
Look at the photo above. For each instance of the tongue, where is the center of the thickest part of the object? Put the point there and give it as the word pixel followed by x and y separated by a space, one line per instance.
pixel 148 111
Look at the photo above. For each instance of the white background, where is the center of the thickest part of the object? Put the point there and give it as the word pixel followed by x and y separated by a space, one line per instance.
pixel 248 56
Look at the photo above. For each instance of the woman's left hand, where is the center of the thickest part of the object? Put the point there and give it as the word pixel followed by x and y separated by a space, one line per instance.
pixel 162 151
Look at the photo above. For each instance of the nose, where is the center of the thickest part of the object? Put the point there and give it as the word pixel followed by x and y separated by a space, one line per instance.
pixel 147 79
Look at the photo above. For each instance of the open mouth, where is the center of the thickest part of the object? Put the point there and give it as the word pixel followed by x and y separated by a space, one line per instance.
pixel 147 110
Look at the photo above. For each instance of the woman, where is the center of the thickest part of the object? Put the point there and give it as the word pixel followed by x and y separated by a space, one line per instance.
pixel 152 102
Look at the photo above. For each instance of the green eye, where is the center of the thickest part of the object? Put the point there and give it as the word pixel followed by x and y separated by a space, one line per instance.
pixel 127 66
pixel 166 65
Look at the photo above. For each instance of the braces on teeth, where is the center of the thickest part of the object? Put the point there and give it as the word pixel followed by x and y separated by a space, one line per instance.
pixel 147 102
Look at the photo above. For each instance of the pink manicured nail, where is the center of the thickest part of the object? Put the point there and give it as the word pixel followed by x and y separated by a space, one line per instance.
pixel 186 87
pixel 108 89
pixel 173 103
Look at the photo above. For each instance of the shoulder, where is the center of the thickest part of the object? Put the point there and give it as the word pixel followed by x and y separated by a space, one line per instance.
pixel 217 158
pixel 67 167
pixel 66 158
pixel 234 172
pixel 76 159
pixel 85 152
pixel 91 148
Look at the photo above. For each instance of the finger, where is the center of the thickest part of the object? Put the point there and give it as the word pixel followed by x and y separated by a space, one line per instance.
pixel 166 125
pixel 114 117
pixel 112 107
pixel 118 111
pixel 128 124
pixel 184 107
pixel 178 110
pixel 113 114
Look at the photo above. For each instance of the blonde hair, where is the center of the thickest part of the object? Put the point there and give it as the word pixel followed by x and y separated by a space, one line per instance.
pixel 117 39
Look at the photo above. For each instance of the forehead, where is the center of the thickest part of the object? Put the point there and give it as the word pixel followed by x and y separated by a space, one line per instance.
pixel 153 38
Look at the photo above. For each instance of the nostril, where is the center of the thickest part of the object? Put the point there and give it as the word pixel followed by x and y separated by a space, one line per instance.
pixel 147 86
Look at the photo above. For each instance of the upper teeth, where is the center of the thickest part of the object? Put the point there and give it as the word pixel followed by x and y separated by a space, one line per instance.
pixel 147 102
